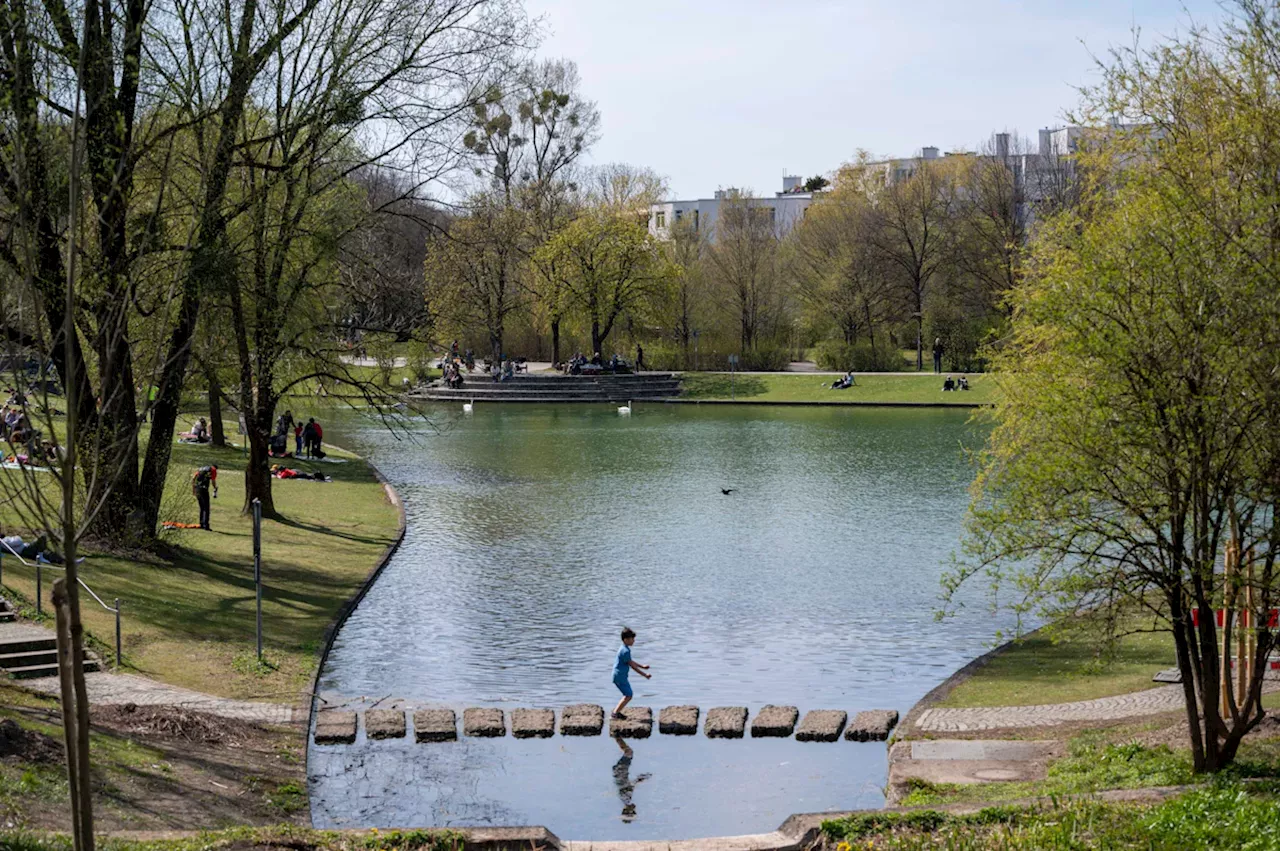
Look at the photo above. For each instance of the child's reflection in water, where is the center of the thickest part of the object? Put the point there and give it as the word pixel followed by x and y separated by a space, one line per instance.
pixel 622 779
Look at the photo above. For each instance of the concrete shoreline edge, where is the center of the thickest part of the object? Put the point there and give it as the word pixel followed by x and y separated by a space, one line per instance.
pixel 346 610
pixel 939 692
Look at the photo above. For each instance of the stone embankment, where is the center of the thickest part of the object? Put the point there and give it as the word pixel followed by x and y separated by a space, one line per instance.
pixel 341 726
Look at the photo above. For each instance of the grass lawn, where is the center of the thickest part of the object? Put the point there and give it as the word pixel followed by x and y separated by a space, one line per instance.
pixel 803 387
pixel 1037 669
pixel 189 611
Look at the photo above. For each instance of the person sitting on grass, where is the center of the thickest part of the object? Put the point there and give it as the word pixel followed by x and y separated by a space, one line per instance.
pixel 622 667
pixel 948 385
pixel 844 383
pixel 962 383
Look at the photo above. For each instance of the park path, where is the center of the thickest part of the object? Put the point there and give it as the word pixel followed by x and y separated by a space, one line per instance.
pixel 1135 705
pixel 108 688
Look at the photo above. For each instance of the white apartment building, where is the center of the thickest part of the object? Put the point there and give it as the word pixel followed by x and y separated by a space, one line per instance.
pixel 786 208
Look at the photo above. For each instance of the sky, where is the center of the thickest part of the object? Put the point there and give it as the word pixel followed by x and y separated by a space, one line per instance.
pixel 723 93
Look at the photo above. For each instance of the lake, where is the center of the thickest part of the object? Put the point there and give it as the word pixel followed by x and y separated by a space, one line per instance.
pixel 537 532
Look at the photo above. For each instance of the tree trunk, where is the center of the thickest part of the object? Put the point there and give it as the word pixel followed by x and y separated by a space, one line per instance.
pixel 555 340
pixel 919 342
pixel 596 340
pixel 216 435
pixel 257 475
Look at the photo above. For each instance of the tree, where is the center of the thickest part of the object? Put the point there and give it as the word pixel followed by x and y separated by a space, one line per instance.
pixel 473 270
pixel 744 262
pixel 610 265
pixel 838 273
pixel 911 232
pixel 817 183
pixel 1135 445
pixel 683 300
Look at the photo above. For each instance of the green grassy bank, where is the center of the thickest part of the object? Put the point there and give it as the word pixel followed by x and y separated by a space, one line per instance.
pixel 924 389
pixel 1225 815
pixel 189 607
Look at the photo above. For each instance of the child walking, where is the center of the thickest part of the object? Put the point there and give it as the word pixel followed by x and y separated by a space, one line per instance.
pixel 622 667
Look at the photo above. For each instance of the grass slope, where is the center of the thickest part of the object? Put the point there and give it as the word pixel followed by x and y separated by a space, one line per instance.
pixel 1038 669
pixel 802 387
pixel 189 612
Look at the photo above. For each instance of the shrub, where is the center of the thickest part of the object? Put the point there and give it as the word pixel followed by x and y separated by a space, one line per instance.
pixel 838 356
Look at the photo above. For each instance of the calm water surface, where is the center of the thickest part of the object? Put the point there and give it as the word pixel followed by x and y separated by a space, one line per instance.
pixel 535 533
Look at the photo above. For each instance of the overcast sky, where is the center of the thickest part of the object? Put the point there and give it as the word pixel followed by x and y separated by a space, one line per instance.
pixel 724 93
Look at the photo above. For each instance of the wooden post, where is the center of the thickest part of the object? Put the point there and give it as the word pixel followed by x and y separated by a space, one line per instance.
pixel 1229 562
pixel 70 724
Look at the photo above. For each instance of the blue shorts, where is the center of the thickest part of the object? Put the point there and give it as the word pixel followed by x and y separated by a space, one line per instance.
pixel 623 685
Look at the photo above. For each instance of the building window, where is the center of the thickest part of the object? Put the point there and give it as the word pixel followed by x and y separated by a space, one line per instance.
pixel 679 215
pixel 696 217
pixel 662 220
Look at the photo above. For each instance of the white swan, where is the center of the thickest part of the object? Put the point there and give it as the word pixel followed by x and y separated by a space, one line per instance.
pixel 624 410
pixel 468 407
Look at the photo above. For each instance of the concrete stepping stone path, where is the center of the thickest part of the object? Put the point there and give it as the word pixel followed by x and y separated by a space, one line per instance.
pixel 581 719
pixel 726 722
pixel 872 726
pixel 483 723
pixel 533 723
pixel 774 721
pixel 678 720
pixel 435 725
pixel 384 724
pixel 636 723
pixel 335 727
pixel 821 725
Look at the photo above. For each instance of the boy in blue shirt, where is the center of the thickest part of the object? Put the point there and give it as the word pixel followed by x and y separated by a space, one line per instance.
pixel 622 667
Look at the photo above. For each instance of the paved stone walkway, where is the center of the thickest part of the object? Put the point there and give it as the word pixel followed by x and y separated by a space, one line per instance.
pixel 1149 702
pixel 106 688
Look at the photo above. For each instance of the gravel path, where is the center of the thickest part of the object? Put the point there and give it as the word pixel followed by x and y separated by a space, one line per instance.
pixel 1149 702
pixel 105 688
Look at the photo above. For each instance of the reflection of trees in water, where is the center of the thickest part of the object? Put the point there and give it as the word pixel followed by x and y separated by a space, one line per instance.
pixel 430 786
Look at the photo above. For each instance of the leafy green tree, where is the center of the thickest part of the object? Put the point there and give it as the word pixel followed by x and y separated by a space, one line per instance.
pixel 610 265
pixel 1137 435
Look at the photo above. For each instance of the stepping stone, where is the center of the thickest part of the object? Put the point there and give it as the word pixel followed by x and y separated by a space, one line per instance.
pixel 533 723
pixel 384 724
pixel 726 722
pixel 821 725
pixel 435 725
pixel 872 725
pixel 335 727
pixel 581 719
pixel 774 721
pixel 678 720
pixel 636 723
pixel 483 723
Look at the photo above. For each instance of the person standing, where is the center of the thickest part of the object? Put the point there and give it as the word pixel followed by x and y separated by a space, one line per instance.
pixel 937 355
pixel 639 358
pixel 309 435
pixel 204 479
pixel 317 440
pixel 297 439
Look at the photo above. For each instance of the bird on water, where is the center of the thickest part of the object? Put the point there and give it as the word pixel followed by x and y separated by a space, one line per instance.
pixel 727 491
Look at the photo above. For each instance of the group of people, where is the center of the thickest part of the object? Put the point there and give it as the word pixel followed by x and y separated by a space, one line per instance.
pixel 307 437
pixel 452 375
pixel 961 383
pixel 580 365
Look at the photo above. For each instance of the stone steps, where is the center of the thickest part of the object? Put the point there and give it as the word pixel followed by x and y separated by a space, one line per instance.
pixel 341 726
pixel 550 388
pixel 29 657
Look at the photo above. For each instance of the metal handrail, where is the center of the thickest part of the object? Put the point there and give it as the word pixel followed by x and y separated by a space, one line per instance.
pixel 39 565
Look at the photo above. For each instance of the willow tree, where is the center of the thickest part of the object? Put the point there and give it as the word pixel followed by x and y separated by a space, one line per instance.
pixel 1135 447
